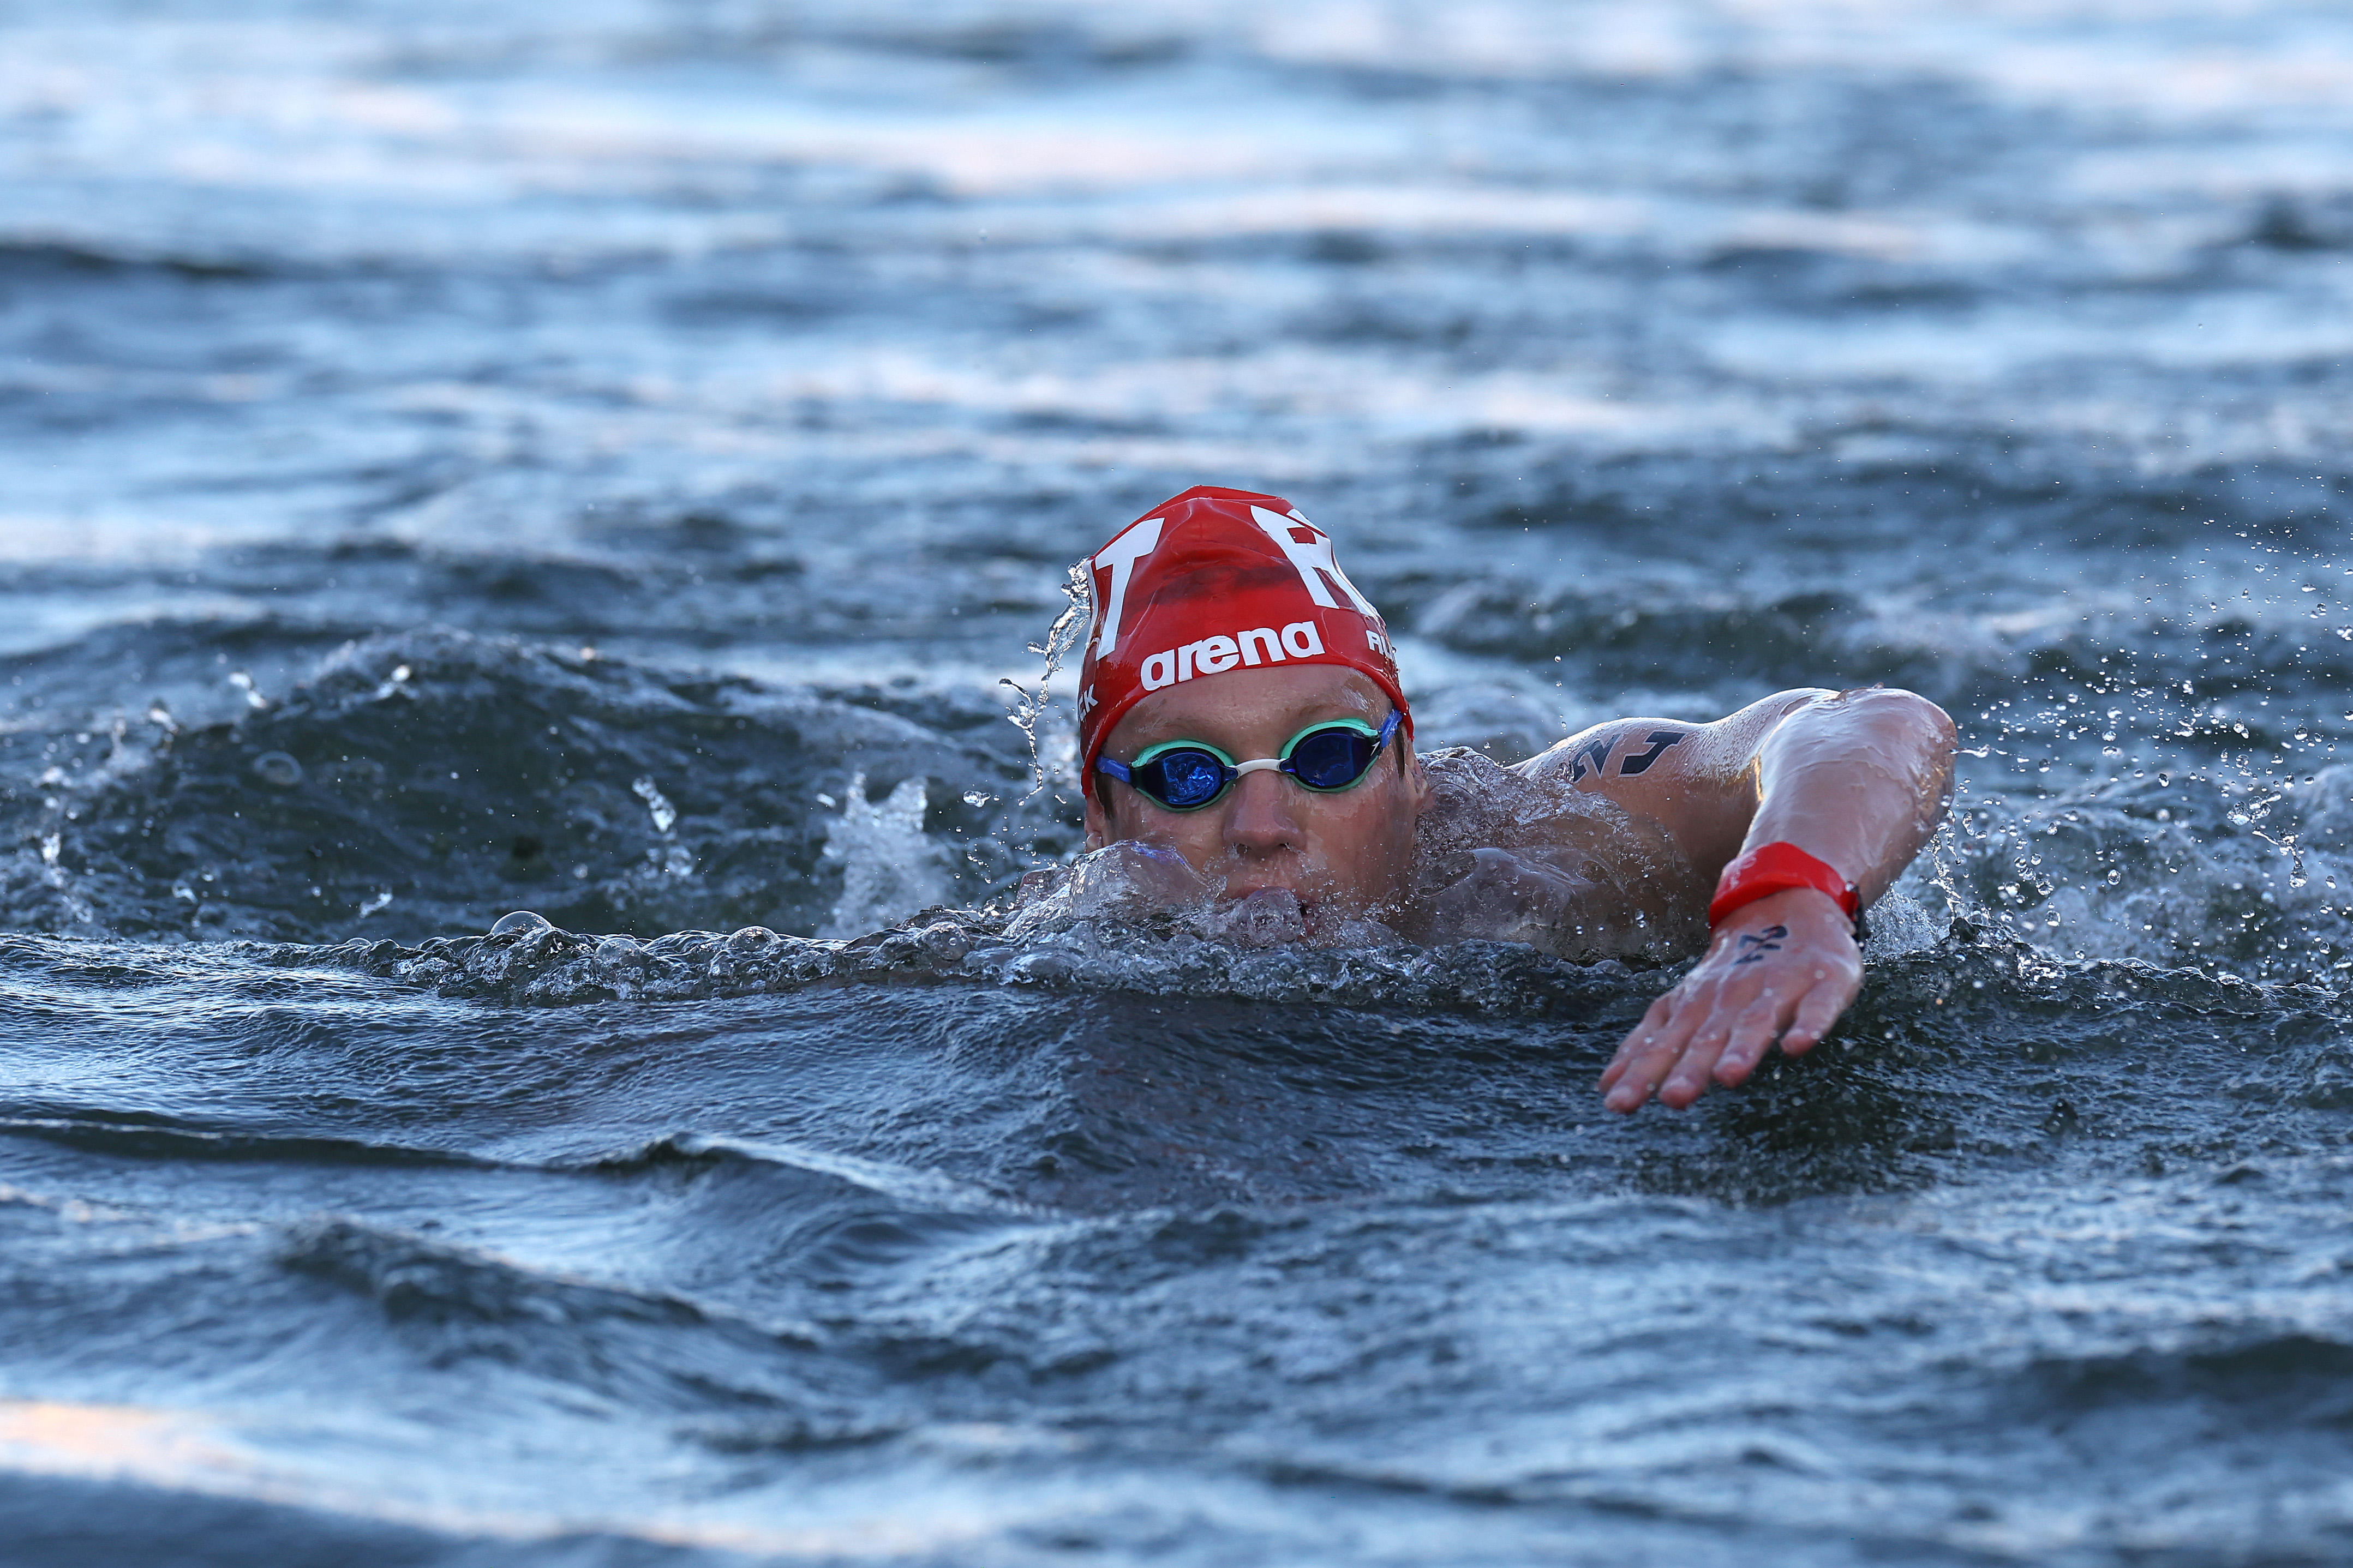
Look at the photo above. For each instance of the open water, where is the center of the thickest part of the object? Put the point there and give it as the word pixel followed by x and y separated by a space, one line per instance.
pixel 601 460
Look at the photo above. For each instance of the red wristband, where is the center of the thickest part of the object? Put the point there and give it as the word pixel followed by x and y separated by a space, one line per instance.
pixel 1777 868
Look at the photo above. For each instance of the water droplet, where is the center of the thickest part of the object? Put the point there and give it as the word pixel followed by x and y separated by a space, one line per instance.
pixel 278 770
pixel 521 922
pixel 665 815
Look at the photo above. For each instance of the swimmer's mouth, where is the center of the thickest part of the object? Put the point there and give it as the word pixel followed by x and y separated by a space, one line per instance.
pixel 1234 895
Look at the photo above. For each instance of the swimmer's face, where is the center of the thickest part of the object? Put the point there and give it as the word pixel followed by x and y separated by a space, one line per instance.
pixel 1352 849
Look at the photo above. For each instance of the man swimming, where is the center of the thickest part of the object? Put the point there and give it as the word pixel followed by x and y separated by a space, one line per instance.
pixel 1241 713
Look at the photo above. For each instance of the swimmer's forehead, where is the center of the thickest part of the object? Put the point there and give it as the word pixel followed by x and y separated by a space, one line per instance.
pixel 1252 702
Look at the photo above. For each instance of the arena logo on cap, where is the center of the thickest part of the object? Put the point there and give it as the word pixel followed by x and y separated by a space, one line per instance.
pixel 1215 656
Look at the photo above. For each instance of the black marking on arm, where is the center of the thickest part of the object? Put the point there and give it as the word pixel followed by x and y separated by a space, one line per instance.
pixel 1597 752
pixel 1660 740
pixel 1769 940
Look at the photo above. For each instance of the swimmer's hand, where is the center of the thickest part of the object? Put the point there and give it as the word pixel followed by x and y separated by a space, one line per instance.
pixel 1782 968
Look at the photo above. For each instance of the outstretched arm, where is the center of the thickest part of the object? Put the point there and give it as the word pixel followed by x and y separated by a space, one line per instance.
pixel 1858 779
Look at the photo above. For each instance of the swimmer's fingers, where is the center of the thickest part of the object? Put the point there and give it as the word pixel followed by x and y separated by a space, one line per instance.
pixel 1652 1016
pixel 1745 1045
pixel 1736 1010
pixel 1817 1015
pixel 1648 1054
pixel 1655 1018
pixel 1800 1028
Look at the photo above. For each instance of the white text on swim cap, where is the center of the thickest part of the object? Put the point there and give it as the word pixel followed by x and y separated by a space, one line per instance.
pixel 1119 558
pixel 1312 559
pixel 1215 656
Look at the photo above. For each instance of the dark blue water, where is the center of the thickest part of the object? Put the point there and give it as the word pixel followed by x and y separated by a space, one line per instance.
pixel 469 459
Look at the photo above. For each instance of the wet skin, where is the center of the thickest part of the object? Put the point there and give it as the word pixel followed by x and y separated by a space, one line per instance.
pixel 1858 779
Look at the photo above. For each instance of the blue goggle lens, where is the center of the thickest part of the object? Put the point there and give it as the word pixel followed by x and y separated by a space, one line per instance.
pixel 1186 779
pixel 1332 759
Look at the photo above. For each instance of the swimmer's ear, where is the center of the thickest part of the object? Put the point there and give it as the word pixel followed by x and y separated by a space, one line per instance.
pixel 1418 790
pixel 1098 825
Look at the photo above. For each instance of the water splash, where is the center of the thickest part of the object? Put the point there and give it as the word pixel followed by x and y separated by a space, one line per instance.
pixel 1053 735
pixel 890 868
pixel 658 805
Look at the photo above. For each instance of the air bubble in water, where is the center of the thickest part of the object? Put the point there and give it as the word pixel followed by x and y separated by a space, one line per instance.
pixel 521 922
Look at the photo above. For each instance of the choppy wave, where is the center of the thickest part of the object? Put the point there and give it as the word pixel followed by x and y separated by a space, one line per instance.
pixel 407 778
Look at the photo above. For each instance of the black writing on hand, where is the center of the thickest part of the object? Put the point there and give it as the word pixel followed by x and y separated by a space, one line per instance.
pixel 1753 949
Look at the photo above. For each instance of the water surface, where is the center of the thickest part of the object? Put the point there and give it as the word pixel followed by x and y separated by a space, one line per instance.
pixel 469 459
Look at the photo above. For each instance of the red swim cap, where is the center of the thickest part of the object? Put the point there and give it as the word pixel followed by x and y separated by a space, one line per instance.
pixel 1216 579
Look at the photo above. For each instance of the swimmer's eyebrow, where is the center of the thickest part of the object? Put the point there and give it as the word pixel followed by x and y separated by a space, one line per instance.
pixel 1342 707
pixel 1299 714
pixel 1309 712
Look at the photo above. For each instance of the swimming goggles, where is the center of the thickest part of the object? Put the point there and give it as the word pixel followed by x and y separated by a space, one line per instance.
pixel 1187 775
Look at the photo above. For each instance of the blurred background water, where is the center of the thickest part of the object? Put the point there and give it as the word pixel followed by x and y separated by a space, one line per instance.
pixel 603 462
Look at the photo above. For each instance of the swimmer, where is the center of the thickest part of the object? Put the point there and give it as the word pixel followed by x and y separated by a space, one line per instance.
pixel 1240 711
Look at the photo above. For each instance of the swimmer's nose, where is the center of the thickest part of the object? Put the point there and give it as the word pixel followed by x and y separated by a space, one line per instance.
pixel 1259 821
